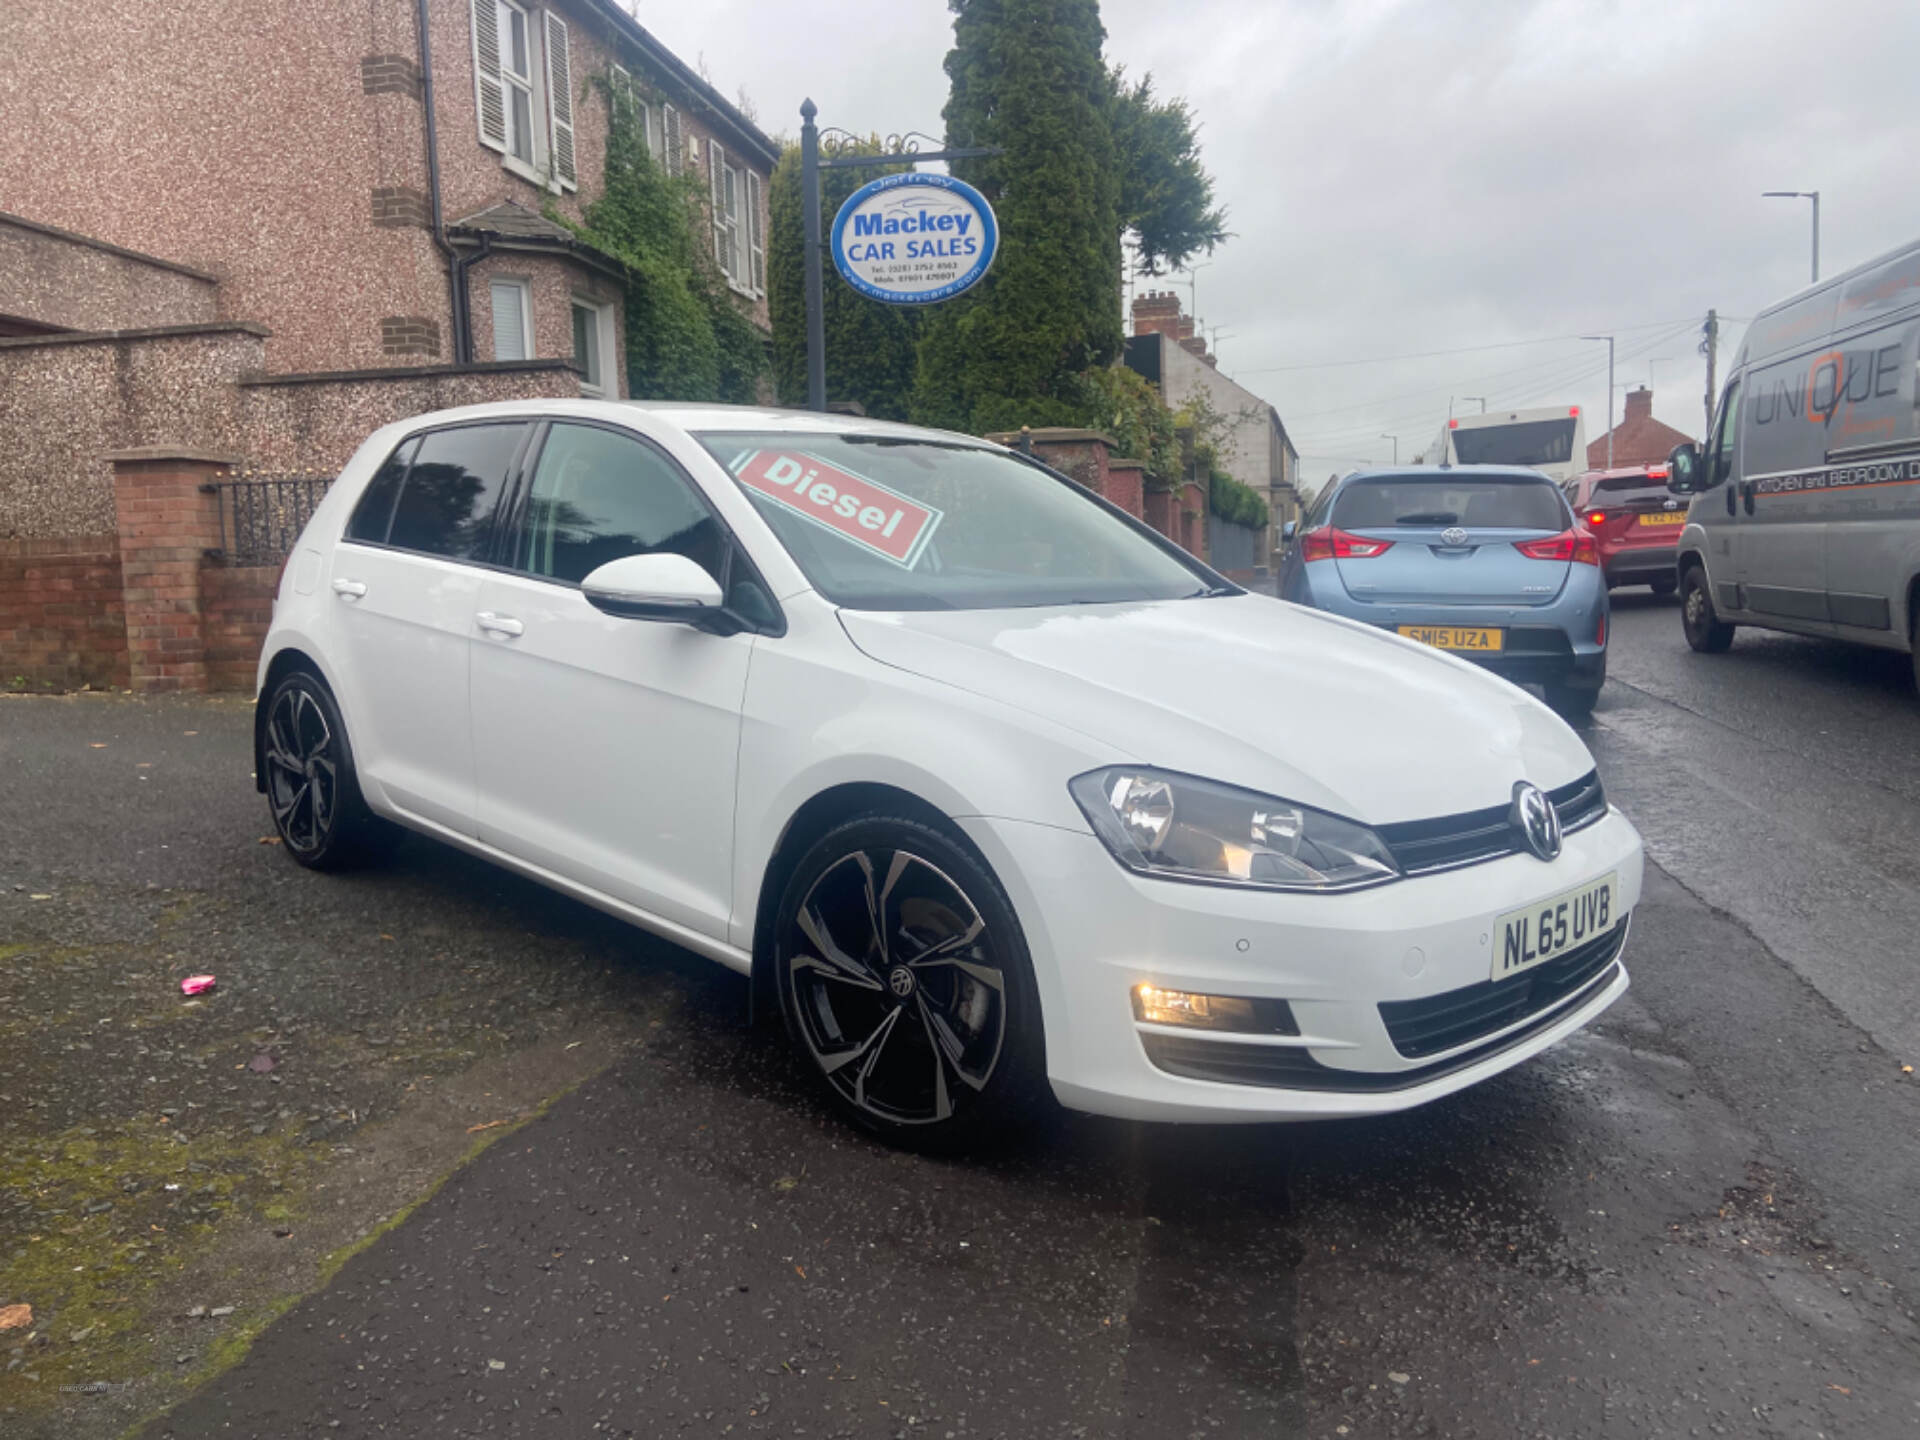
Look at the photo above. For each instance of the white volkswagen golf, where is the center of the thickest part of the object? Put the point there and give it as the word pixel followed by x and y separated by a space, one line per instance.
pixel 998 791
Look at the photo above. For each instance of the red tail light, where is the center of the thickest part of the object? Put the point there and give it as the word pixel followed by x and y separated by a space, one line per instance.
pixel 1328 543
pixel 1600 635
pixel 1574 545
pixel 1597 517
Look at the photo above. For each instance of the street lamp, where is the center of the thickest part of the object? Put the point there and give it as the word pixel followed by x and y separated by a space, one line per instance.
pixel 1814 196
pixel 1609 340
pixel 1481 398
pixel 1396 446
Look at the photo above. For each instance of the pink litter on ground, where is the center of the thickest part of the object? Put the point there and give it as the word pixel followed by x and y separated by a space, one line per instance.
pixel 196 984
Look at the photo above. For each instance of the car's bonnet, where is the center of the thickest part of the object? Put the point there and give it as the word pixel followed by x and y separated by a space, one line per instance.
pixel 1253 692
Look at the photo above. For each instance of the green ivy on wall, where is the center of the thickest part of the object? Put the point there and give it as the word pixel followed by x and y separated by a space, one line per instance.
pixel 687 338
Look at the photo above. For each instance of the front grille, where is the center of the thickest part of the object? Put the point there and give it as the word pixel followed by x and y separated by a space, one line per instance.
pixel 1423 845
pixel 1459 1017
pixel 1289 1067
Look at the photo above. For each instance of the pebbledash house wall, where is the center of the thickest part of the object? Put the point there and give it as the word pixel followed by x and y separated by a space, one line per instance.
pixel 231 217
pixel 282 150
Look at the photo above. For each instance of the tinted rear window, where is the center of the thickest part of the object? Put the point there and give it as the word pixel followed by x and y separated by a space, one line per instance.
pixel 1627 489
pixel 374 513
pixel 1472 501
pixel 446 507
pixel 1533 442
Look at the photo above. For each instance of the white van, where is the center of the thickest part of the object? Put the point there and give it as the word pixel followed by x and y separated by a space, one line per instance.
pixel 1806 500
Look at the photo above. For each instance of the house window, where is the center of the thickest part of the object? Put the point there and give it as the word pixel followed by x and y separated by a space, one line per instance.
pixel 593 349
pixel 737 242
pixel 512 320
pixel 516 71
pixel 523 83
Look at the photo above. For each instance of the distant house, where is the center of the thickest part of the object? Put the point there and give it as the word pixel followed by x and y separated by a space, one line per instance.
pixel 1637 440
pixel 1257 451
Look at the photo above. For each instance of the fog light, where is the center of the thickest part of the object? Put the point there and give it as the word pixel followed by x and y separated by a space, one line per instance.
pixel 1153 1005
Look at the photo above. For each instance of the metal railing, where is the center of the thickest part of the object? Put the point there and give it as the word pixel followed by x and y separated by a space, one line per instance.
pixel 262 515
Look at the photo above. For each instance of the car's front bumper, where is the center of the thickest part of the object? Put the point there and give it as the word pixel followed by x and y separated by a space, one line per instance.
pixel 1096 931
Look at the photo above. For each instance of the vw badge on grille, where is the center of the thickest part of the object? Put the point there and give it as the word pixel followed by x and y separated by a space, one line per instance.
pixel 1453 535
pixel 1533 814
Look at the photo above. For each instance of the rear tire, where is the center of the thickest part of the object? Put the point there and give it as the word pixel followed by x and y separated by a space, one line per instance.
pixel 1706 631
pixel 313 790
pixel 1572 702
pixel 1663 585
pixel 906 986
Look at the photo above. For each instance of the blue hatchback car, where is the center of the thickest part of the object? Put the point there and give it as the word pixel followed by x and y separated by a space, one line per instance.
pixel 1487 562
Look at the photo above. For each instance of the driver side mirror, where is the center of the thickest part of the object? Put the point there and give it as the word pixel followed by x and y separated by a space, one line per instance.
pixel 655 587
pixel 1288 530
pixel 1686 471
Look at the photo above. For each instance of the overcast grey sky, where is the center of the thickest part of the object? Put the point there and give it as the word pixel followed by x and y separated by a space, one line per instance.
pixel 1419 175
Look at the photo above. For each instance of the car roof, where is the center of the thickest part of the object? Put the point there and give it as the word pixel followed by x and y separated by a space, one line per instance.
pixel 695 417
pixel 1448 472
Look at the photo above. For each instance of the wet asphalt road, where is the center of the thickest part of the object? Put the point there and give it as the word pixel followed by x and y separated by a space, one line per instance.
pixel 1698 1218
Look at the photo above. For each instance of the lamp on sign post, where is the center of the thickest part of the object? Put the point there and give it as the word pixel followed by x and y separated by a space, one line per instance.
pixel 1396 446
pixel 1814 196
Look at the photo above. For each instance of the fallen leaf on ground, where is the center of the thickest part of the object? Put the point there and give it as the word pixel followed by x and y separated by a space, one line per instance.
pixel 262 1063
pixel 491 1124
pixel 96 744
pixel 40 897
pixel 1841 1388
pixel 798 1271
pixel 269 839
pixel 15 1317
pixel 197 984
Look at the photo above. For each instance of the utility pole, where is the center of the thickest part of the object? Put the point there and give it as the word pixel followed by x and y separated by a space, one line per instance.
pixel 1609 340
pixel 1710 347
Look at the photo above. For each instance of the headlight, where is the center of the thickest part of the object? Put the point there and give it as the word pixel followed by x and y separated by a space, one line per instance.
pixel 1158 823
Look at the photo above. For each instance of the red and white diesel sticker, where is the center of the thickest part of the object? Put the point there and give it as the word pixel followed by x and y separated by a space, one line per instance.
pixel 864 511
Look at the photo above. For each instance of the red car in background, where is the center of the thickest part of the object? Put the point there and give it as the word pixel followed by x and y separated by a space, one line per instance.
pixel 1634 520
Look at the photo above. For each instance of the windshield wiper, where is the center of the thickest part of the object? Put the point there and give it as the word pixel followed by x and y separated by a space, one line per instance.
pixel 1427 517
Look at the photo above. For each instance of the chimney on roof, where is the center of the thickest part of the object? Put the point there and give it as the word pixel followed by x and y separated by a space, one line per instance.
pixel 1158 313
pixel 1639 405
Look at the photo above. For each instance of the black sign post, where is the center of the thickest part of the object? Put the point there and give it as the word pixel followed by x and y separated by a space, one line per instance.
pixel 894 150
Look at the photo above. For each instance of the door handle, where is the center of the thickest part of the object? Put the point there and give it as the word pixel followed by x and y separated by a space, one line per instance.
pixel 1733 499
pixel 498 624
pixel 349 589
pixel 1746 494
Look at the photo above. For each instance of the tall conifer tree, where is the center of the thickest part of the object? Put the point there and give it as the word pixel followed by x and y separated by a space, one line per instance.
pixel 1028 75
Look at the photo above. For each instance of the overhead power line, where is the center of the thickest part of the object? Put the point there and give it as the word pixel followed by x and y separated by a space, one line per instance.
pixel 1457 350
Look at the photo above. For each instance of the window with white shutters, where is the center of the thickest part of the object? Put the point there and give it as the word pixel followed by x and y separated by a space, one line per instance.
pixel 490 91
pixel 756 236
pixel 560 99
pixel 724 248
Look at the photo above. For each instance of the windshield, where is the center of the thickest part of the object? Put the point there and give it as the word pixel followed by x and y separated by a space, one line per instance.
pixel 1493 502
pixel 879 523
pixel 1533 442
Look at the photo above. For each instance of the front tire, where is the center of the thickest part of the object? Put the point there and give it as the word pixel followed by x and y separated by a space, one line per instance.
pixel 1706 631
pixel 906 985
pixel 313 790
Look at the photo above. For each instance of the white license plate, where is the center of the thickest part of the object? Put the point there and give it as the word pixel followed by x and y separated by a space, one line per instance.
pixel 1550 928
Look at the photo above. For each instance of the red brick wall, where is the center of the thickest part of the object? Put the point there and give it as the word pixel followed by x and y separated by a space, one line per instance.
pixel 61 618
pixel 236 607
pixel 1162 512
pixel 1126 487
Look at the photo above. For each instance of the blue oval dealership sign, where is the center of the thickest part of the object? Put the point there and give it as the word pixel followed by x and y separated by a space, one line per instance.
pixel 914 239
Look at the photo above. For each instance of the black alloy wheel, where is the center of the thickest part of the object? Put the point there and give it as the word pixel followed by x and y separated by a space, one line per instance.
pixel 1705 630
pixel 312 788
pixel 905 982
